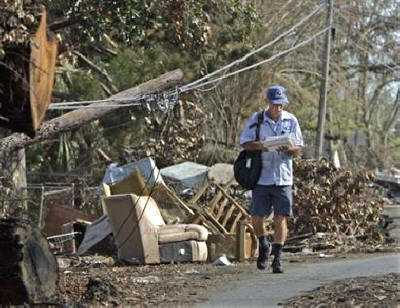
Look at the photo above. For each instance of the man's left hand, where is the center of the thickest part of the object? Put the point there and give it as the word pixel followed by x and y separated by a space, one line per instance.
pixel 295 150
pixel 284 149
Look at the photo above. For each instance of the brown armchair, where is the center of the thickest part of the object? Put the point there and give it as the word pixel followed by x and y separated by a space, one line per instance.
pixel 142 236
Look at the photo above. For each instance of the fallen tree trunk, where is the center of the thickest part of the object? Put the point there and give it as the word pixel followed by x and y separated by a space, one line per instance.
pixel 28 269
pixel 79 117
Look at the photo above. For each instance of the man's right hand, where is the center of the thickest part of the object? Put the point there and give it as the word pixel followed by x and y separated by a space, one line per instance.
pixel 255 146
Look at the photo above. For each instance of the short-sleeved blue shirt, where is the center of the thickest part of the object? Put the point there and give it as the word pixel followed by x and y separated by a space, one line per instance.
pixel 277 167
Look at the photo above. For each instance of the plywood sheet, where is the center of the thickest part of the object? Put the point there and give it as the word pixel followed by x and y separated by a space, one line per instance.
pixel 41 72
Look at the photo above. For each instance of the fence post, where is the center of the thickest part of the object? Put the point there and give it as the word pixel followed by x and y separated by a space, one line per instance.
pixel 41 206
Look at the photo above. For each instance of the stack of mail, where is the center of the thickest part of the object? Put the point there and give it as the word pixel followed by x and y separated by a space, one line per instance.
pixel 273 143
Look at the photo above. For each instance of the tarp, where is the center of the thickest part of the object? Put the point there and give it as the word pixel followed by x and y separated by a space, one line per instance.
pixel 146 166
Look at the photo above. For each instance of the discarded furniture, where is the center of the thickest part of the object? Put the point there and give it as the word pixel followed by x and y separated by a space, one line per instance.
pixel 234 236
pixel 240 246
pixel 98 238
pixel 142 236
pixel 58 215
pixel 185 175
pixel 132 183
pixel 225 212
pixel 246 242
pixel 172 209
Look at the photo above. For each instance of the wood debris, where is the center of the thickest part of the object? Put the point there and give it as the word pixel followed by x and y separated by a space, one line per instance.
pixel 335 201
pixel 19 19
pixel 180 136
pixel 374 291
pixel 332 207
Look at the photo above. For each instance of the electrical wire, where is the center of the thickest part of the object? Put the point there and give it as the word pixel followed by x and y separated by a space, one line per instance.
pixel 133 208
pixel 134 100
pixel 135 226
pixel 106 100
pixel 190 86
pixel 94 107
pixel 103 103
pixel 263 61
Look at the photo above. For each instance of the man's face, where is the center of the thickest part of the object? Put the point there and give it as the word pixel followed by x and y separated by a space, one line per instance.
pixel 274 110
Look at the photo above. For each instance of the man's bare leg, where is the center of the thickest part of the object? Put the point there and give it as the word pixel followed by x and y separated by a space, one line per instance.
pixel 280 229
pixel 258 225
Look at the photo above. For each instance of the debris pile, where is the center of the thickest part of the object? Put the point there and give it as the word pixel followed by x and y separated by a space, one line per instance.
pixel 335 201
pixel 18 20
pixel 332 206
pixel 180 136
pixel 367 291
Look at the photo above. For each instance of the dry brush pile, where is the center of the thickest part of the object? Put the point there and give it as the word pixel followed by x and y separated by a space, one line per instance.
pixel 335 201
pixel 180 136
pixel 331 206
pixel 19 19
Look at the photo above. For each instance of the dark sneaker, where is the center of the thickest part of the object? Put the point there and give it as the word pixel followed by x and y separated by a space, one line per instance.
pixel 263 253
pixel 276 266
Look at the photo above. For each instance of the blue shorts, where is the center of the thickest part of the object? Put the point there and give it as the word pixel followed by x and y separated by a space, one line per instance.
pixel 271 198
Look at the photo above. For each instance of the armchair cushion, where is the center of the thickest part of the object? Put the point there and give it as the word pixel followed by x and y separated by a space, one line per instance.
pixel 178 233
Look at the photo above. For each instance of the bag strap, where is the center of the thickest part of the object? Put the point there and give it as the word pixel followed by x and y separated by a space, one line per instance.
pixel 260 119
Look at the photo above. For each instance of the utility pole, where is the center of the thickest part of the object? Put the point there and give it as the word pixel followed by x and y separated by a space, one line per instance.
pixel 324 84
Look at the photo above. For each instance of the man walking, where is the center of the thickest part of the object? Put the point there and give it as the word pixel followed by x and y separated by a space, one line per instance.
pixel 273 192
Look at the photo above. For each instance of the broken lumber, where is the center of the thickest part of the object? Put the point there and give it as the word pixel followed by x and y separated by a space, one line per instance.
pixel 76 118
pixel 28 269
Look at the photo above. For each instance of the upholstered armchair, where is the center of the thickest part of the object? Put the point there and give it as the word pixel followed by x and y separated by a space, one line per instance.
pixel 142 236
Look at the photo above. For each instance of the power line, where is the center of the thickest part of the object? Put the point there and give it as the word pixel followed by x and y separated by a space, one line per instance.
pixel 284 52
pixel 110 101
pixel 94 107
pixel 162 102
pixel 191 85
pixel 137 100
pixel 174 94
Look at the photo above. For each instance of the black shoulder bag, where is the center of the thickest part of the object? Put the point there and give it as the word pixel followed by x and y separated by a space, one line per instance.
pixel 247 167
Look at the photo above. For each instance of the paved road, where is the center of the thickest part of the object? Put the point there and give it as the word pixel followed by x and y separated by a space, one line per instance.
pixel 267 290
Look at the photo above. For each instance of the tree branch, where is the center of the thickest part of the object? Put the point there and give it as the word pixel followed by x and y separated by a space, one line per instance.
pixel 64 23
pixel 76 118
pixel 93 66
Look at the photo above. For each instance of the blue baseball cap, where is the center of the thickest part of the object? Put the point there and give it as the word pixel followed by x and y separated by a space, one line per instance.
pixel 276 95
